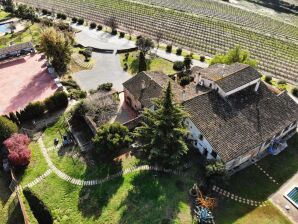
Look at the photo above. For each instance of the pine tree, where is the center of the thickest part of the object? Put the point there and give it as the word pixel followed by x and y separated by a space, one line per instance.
pixel 163 132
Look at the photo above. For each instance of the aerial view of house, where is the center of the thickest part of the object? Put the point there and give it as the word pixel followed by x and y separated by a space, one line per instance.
pixel 149 111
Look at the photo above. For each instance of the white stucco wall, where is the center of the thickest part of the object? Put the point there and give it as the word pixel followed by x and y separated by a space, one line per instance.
pixel 201 144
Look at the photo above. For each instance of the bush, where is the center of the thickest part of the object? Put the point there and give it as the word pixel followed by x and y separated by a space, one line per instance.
pixel 215 172
pixel 74 20
pixel 122 35
pixel 111 138
pixel 92 25
pixel 44 12
pixel 18 152
pixel 282 82
pixel 77 94
pixel 7 128
pixel 99 27
pixel 185 80
pixel 32 110
pixel 114 32
pixel 56 102
pixel 62 26
pixel 179 51
pixel 169 48
pixel 70 83
pixel 295 91
pixel 63 17
pixel 268 78
pixel 178 66
pixel 47 22
pixel 105 86
pixel 202 58
pixel 81 21
pixel 38 208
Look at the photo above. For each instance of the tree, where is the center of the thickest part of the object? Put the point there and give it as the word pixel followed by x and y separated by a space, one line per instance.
pixel 111 138
pixel 7 128
pixel 112 23
pixel 187 62
pixel 159 37
pixel 178 66
pixel 234 55
pixel 162 133
pixel 144 45
pixel 12 27
pixel 17 146
pixel 56 46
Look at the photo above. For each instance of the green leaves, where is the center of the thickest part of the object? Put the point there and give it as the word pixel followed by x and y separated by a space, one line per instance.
pixel 162 133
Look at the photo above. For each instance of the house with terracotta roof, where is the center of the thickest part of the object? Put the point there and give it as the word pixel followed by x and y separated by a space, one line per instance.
pixel 233 115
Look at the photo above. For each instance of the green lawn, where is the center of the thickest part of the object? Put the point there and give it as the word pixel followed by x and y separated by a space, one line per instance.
pixel 36 168
pixel 28 34
pixel 229 211
pixel 253 184
pixel 4 15
pixel 135 198
pixel 154 64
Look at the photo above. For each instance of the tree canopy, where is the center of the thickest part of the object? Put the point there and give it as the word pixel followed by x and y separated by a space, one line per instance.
pixel 7 128
pixel 111 138
pixel 163 132
pixel 57 47
pixel 144 44
pixel 234 55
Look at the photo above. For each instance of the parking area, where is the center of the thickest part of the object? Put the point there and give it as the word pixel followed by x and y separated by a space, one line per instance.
pixel 24 80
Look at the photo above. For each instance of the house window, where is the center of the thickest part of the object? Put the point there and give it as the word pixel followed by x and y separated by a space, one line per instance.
pixel 201 137
pixel 214 154
pixel 205 152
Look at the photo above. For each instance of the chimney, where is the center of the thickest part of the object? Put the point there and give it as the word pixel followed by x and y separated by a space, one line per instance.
pixel 257 86
pixel 143 84
pixel 183 95
pixel 223 71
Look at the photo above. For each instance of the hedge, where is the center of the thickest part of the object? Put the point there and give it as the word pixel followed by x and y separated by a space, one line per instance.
pixel 38 208
pixel 56 102
pixel 7 128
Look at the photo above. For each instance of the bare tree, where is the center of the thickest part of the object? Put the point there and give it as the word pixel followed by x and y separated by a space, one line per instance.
pixel 111 22
pixel 159 37
pixel 12 27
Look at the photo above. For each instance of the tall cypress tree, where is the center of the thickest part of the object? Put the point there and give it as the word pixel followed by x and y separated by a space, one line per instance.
pixel 163 132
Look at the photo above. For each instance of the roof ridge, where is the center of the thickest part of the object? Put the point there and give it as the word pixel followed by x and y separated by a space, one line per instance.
pixel 231 73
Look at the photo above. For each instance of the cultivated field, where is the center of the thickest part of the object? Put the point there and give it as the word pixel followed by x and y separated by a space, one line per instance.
pixel 210 28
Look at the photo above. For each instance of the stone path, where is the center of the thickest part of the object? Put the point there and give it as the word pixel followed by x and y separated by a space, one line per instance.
pixel 93 182
pixel 266 173
pixel 239 199
pixel 39 179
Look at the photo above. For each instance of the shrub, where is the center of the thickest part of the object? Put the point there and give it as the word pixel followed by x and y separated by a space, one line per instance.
pixel 63 16
pixel 114 32
pixel 105 86
pixel 268 78
pixel 215 172
pixel 202 58
pixel 70 83
pixel 81 21
pixel 18 152
pixel 92 25
pixel 7 128
pixel 38 208
pixel 111 138
pixel 169 48
pixel 178 66
pixel 56 102
pixel 99 27
pixel 47 22
pixel 77 94
pixel 122 35
pixel 33 110
pixel 44 12
pixel 281 82
pixel 74 19
pixel 62 26
pixel 185 80
pixel 179 51
pixel 295 91
pixel 13 118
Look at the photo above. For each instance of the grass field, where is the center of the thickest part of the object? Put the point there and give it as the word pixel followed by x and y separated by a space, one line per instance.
pixel 4 15
pixel 153 64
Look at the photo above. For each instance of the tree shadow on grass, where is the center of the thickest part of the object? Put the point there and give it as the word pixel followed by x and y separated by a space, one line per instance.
pixel 155 198
pixel 93 199
pixel 134 66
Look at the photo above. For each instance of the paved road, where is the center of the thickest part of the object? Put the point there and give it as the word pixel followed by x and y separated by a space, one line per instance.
pixel 107 68
pixel 100 39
